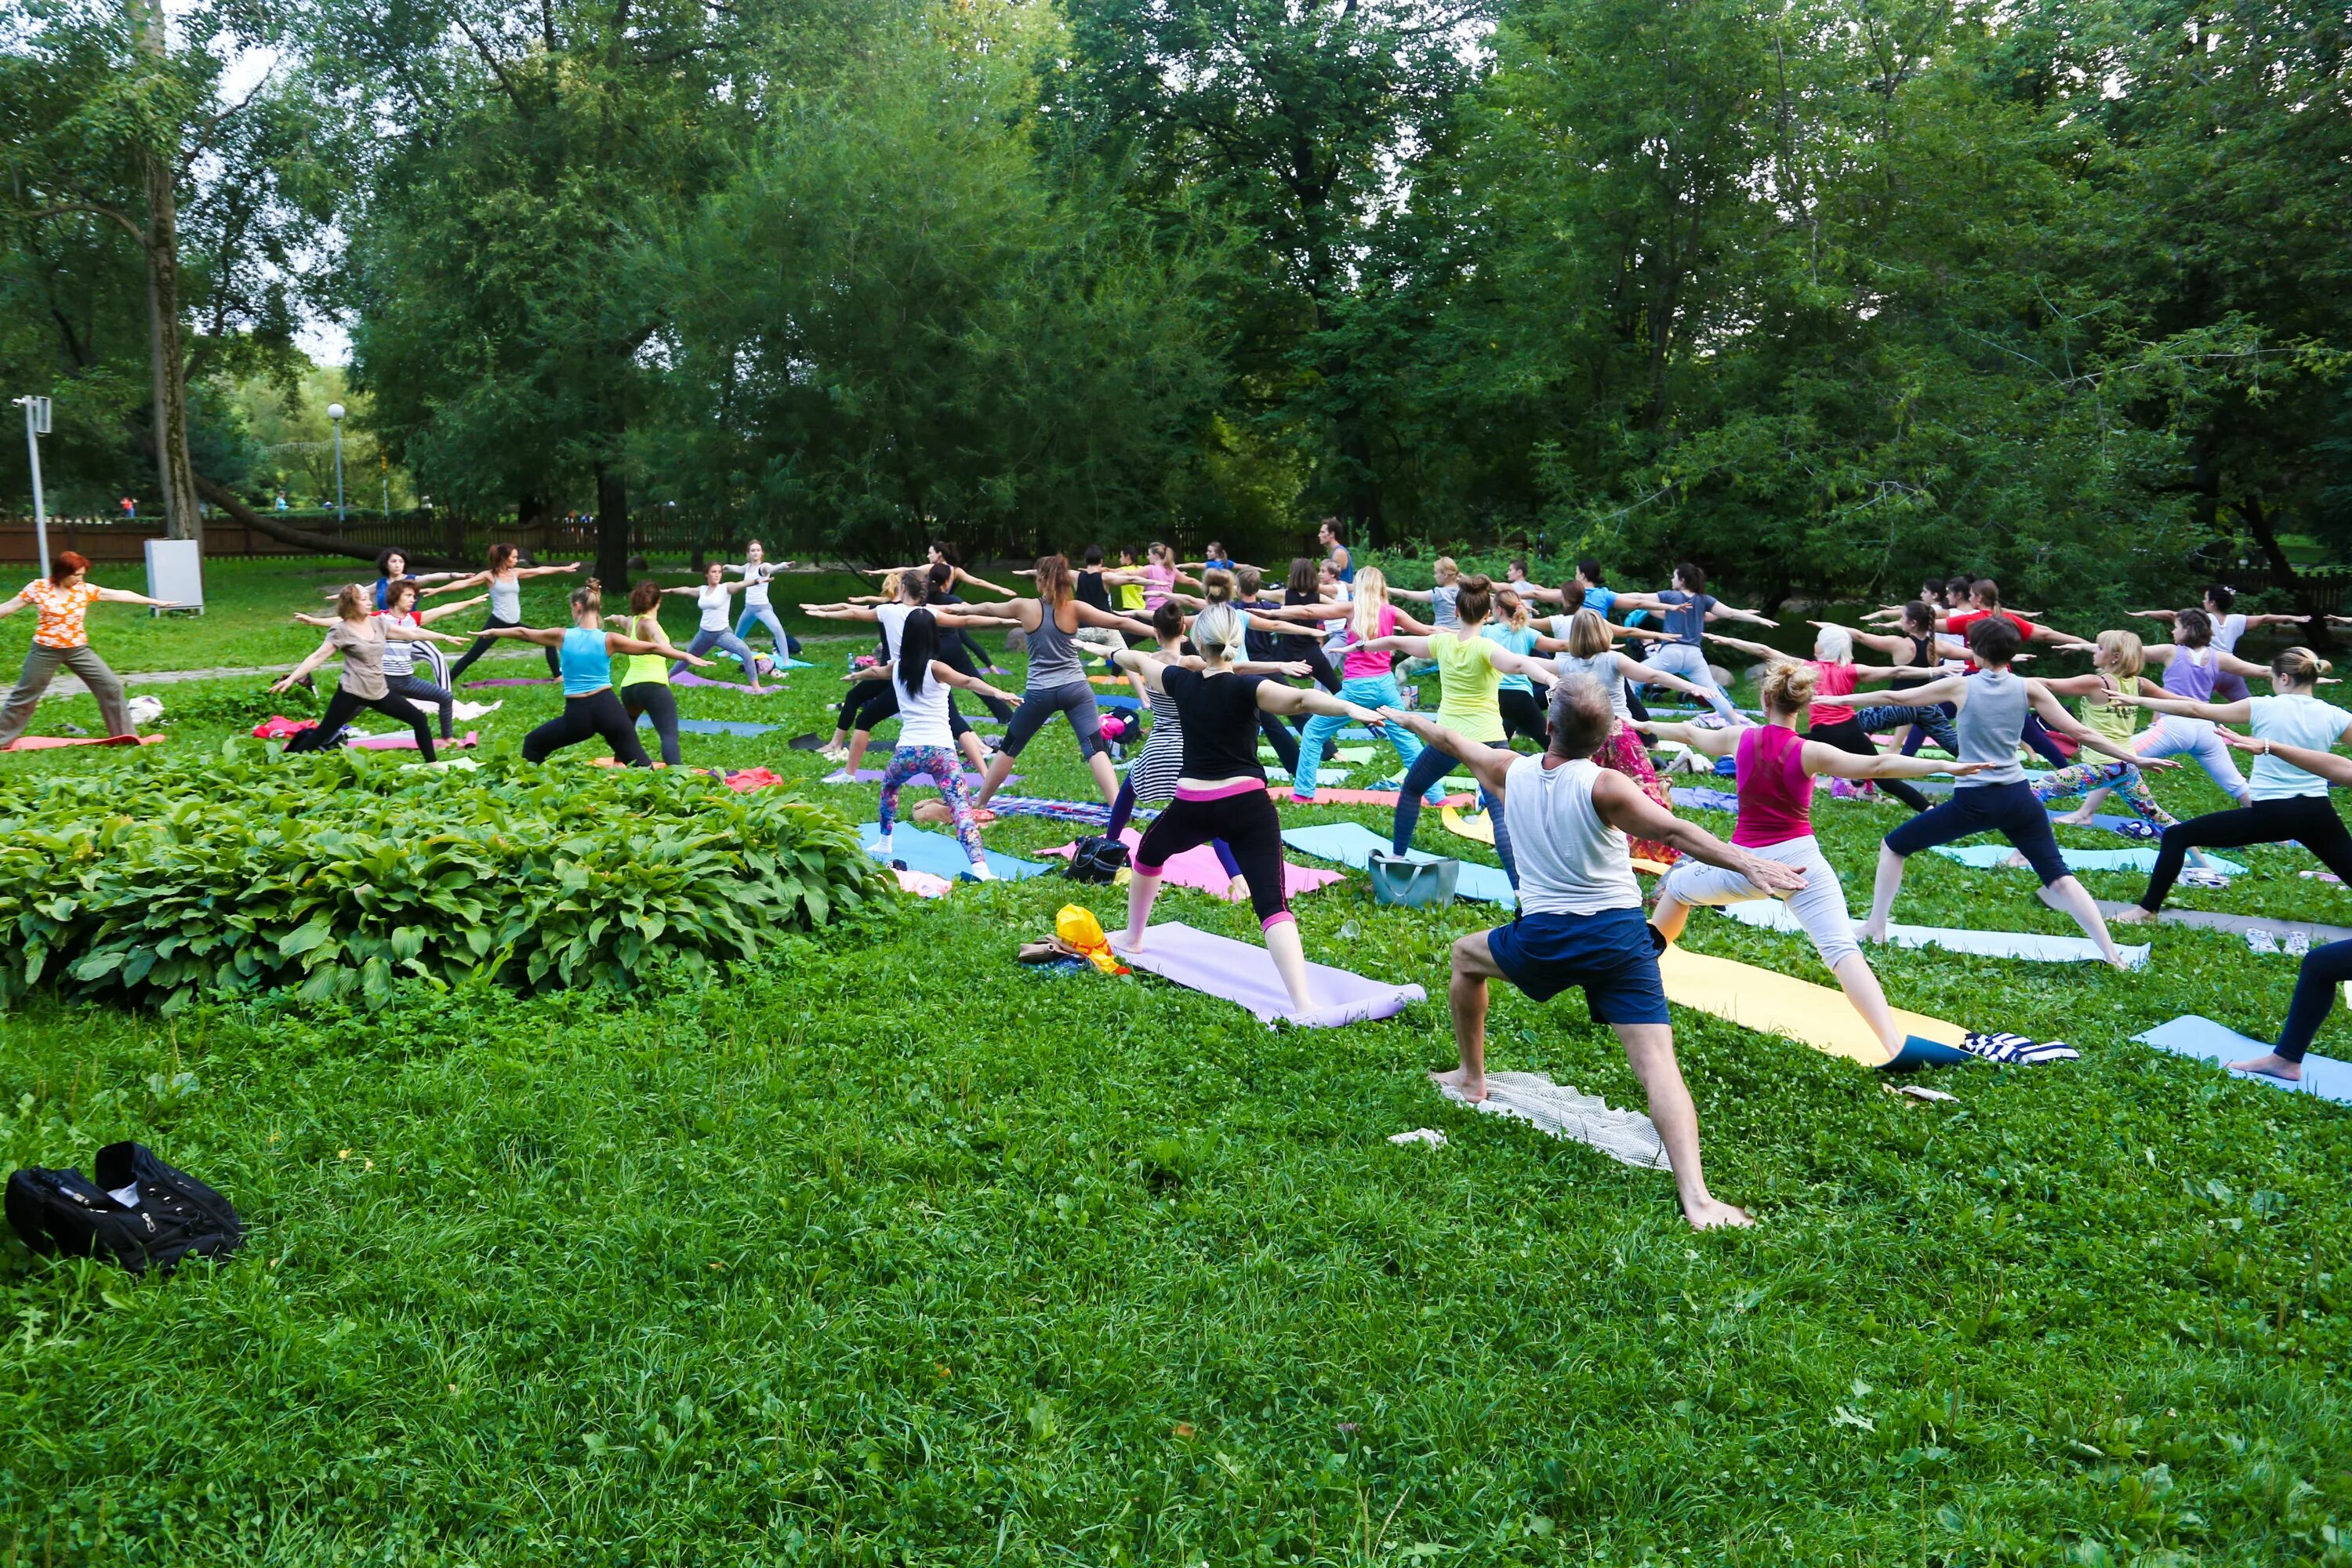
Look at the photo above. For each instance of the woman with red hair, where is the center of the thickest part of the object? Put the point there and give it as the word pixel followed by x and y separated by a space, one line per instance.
pixel 64 598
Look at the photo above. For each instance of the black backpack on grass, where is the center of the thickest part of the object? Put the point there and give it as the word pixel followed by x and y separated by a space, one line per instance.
pixel 176 1215
pixel 1096 860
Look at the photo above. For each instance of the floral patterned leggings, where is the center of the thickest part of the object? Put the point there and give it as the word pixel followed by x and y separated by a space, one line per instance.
pixel 2123 778
pixel 1623 752
pixel 914 762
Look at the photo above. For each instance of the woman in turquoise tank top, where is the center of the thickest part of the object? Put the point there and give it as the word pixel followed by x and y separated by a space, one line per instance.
pixel 584 653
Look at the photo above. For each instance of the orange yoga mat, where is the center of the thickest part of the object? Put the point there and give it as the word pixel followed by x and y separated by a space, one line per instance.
pixel 48 742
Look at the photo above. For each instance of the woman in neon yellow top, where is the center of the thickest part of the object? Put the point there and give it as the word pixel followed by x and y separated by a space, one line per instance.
pixel 1470 670
pixel 644 679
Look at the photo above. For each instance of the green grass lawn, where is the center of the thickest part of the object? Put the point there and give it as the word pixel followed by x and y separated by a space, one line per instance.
pixel 888 1250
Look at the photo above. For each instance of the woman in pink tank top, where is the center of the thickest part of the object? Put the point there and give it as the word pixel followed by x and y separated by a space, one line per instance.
pixel 1777 769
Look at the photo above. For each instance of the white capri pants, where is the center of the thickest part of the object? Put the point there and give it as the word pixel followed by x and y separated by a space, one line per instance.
pixel 1690 663
pixel 2171 736
pixel 1820 907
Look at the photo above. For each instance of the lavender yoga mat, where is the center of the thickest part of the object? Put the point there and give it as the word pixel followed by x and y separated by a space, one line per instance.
pixel 1199 868
pixel 1241 972
pixel 408 743
pixel 687 677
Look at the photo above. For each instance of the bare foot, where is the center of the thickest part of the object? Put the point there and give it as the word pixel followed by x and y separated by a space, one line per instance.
pixel 1714 1214
pixel 2130 915
pixel 2270 1064
pixel 2071 819
pixel 2016 862
pixel 1461 1080
pixel 1871 933
pixel 1122 942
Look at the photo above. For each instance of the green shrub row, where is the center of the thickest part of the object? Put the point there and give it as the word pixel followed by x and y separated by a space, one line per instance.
pixel 346 876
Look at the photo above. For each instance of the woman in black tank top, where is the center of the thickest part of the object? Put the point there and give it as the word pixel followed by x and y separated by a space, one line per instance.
pixel 1914 645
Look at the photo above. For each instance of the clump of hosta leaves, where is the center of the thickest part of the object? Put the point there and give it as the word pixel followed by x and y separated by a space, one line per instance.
pixel 348 876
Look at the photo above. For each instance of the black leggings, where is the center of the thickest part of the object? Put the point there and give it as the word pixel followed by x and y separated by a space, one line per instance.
pixel 598 713
pixel 1848 735
pixel 2308 819
pixel 955 658
pixel 1523 715
pixel 484 645
pixel 868 709
pixel 1282 738
pixel 655 698
pixel 344 704
pixel 1310 652
pixel 424 690
pixel 2314 992
pixel 1122 811
pixel 1252 832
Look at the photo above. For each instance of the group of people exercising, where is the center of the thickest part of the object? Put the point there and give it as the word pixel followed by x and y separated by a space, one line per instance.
pixel 1213 653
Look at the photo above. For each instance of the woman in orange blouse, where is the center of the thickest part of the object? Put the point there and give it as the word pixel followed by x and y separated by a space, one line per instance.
pixel 64 598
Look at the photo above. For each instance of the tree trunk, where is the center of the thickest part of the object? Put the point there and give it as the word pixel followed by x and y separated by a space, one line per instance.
pixel 167 361
pixel 612 529
pixel 228 500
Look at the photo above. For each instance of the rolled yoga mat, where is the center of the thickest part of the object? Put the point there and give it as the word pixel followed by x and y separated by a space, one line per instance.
pixel 1353 844
pixel 1773 1004
pixel 1774 914
pixel 2238 925
pixel 1199 869
pixel 1990 857
pixel 2203 1039
pixel 941 855
pixel 1241 972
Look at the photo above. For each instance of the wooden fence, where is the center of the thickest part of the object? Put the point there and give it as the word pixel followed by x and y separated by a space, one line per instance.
pixel 661 532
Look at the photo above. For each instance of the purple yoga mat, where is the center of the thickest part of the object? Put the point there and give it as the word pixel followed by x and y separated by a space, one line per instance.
pixel 539 680
pixel 873 776
pixel 408 743
pixel 1241 972
pixel 687 677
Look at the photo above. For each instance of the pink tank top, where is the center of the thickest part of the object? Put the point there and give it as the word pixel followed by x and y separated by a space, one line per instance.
pixel 1363 663
pixel 1831 680
pixel 1157 582
pixel 1776 793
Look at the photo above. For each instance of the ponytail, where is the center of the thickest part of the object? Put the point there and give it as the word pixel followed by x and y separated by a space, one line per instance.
pixel 918 640
pixel 2299 668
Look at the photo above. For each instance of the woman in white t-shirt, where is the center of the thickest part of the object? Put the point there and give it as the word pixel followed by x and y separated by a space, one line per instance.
pixel 757 571
pixel 715 600
pixel 926 738
pixel 2284 802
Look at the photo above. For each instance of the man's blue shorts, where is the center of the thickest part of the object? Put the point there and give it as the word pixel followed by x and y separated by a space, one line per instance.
pixel 1611 954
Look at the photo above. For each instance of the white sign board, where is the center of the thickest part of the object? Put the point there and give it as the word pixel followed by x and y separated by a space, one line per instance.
pixel 176 571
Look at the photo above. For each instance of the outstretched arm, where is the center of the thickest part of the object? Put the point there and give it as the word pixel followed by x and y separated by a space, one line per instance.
pixel 1511 663
pixel 949 675
pixel 1412 647
pixel 2231 664
pixel 1283 700
pixel 318 656
pixel 829 612
pixel 1719 611
pixel 456 584
pixel 435 614
pixel 963 576
pixel 1643 674
pixel 615 643
pixel 1877 642
pixel 1622 806
pixel 12 606
pixel 1706 743
pixel 545 637
pixel 122 596
pixel 2053 714
pixel 2326 764
pixel 1821 759
pixel 1487 764
pixel 1111 621
pixel 2220 712
pixel 546 571
pixel 1756 649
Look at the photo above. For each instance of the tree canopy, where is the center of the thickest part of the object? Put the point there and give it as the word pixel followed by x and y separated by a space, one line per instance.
pixel 1826 295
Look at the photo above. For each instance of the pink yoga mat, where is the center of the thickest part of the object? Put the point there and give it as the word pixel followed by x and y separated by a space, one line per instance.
pixel 408 743
pixel 1200 868
pixel 1241 972
pixel 50 743
pixel 537 681
pixel 1358 797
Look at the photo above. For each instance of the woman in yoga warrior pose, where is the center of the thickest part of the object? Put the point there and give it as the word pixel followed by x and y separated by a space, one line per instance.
pixel 1983 596
pixel 1440 598
pixel 1579 919
pixel 926 742
pixel 1469 670
pixel 2228 625
pixel 584 651
pixel 716 629
pixel 1777 769
pixel 1514 695
pixel 867 704
pixel 1836 676
pixel 758 576
pixel 1057 681
pixel 1993 704
pixel 1222 794
pixel 61 636
pixel 504 579
pixel 2115 674
pixel 392 566
pixel 1367 676
pixel 2325 967
pixel 401 651
pixel 2192 667
pixel 359 636
pixel 1151 778
pixel 1921 652
pixel 2285 801
pixel 644 681
pixel 1590 650
pixel 1686 608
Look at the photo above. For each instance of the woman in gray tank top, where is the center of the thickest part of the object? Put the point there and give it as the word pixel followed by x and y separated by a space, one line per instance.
pixel 504 578
pixel 1994 704
pixel 1057 681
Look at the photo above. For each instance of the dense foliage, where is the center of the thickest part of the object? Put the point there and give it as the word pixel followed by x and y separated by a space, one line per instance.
pixel 1822 294
pixel 354 876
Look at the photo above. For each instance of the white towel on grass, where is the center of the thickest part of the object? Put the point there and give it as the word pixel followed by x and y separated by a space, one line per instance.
pixel 1626 1136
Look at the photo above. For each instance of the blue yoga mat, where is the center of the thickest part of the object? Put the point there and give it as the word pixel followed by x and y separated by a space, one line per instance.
pixel 2203 1039
pixel 1984 856
pixel 1118 704
pixel 711 726
pixel 942 855
pixel 1353 844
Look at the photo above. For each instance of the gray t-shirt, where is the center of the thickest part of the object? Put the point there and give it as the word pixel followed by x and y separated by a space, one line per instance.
pixel 1442 612
pixel 362 645
pixel 1989 725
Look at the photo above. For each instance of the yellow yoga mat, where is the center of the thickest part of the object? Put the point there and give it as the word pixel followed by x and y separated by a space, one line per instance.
pixel 1774 1004
pixel 1480 828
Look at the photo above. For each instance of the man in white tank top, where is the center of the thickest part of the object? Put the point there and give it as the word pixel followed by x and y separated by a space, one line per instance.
pixel 1579 920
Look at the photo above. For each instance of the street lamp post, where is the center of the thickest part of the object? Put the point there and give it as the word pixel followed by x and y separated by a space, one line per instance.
pixel 37 424
pixel 335 412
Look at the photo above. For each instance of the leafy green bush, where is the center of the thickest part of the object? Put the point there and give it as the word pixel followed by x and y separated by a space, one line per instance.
pixel 348 876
